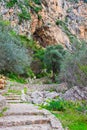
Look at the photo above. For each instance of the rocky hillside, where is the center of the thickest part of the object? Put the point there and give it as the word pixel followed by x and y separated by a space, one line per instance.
pixel 49 22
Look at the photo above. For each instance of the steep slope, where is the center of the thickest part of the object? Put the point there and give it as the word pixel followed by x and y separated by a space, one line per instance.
pixel 38 19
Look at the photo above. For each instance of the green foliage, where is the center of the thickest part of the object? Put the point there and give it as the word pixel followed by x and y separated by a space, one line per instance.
pixel 81 107
pixel 3 110
pixel 37 2
pixel 11 3
pixel 74 66
pixel 63 105
pixel 18 92
pixel 37 9
pixel 30 73
pixel 16 77
pixel 55 105
pixel 24 15
pixel 53 57
pixel 25 90
pixel 13 56
pixel 39 54
pixel 73 120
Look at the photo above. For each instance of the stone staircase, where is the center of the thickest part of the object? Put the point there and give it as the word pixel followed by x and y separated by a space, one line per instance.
pixel 25 116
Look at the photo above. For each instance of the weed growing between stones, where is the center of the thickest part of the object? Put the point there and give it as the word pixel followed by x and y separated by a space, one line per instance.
pixel 3 110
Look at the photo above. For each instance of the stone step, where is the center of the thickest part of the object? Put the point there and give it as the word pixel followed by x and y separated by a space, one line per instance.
pixel 23 109
pixel 14 101
pixel 12 97
pixel 29 127
pixel 19 120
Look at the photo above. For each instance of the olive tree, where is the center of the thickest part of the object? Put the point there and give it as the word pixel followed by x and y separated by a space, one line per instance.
pixel 53 57
pixel 13 56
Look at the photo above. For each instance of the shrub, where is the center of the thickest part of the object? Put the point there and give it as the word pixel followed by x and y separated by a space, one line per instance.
pixel 13 56
pixel 37 9
pixel 63 105
pixel 74 66
pixel 55 105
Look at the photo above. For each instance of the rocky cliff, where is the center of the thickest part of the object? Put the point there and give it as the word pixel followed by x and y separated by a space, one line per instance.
pixel 43 19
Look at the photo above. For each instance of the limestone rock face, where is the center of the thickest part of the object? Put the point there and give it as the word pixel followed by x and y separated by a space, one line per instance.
pixel 50 35
pixel 43 26
pixel 77 19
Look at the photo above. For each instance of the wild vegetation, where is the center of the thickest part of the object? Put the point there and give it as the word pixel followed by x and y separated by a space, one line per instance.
pixel 72 114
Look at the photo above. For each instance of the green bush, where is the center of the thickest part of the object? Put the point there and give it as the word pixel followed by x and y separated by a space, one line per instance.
pixel 63 105
pixel 37 2
pixel 55 105
pixel 24 15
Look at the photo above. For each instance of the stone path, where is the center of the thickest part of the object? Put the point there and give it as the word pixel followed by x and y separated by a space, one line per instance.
pixel 25 116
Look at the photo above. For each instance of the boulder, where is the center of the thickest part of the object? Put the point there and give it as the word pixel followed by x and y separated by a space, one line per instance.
pixel 51 95
pixel 75 93
pixel 38 97
pixel 38 100
pixel 36 94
